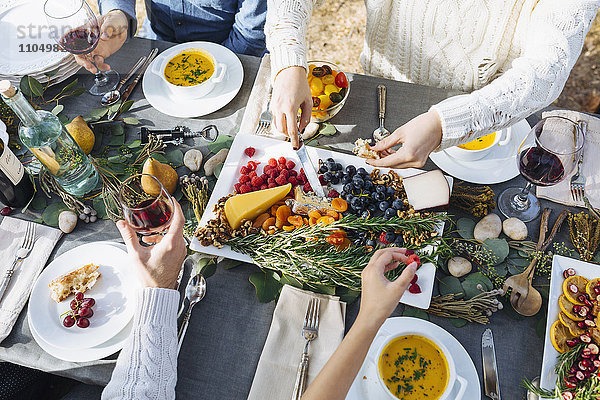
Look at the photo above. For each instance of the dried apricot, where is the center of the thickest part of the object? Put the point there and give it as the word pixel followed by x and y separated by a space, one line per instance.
pixel 314 213
pixel 268 223
pixel 274 210
pixel 280 223
pixel 296 220
pixel 288 228
pixel 312 221
pixel 283 212
pixel 332 213
pixel 260 220
pixel 335 239
pixel 344 245
pixel 326 220
pixel 339 204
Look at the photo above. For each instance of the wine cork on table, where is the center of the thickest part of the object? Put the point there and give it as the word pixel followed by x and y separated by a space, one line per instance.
pixel 7 89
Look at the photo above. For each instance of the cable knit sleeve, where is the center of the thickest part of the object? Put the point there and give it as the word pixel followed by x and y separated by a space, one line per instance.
pixel 285 29
pixel 552 44
pixel 147 365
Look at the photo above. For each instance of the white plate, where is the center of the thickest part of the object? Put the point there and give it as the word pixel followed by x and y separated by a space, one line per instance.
pixel 559 264
pixel 160 97
pixel 114 293
pixel 499 165
pixel 267 148
pixel 365 385
pixel 24 23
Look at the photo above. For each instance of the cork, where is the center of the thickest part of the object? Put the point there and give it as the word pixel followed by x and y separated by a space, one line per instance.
pixel 7 89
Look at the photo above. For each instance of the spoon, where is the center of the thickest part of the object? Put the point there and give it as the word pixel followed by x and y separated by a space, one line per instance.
pixel 114 95
pixel 381 132
pixel 194 292
pixel 525 299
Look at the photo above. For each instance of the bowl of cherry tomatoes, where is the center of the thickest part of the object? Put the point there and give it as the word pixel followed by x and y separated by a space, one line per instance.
pixel 329 88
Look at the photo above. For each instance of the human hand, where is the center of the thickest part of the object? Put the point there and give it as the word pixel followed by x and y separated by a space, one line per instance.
pixel 419 137
pixel 113 33
pixel 380 296
pixel 158 265
pixel 290 93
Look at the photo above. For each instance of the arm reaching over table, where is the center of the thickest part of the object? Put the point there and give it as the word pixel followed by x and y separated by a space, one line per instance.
pixel 379 299
pixel 147 365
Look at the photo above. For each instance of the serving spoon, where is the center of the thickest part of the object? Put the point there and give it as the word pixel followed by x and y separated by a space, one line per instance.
pixel 113 96
pixel 194 292
pixel 381 132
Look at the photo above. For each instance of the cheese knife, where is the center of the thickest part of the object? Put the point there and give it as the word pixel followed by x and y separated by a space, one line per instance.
pixel 490 371
pixel 309 169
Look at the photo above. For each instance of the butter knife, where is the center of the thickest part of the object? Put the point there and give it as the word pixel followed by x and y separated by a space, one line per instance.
pixel 490 371
pixel 309 170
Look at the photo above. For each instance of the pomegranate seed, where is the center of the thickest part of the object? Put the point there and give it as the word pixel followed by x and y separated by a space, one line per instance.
pixel 567 396
pixel 581 298
pixel 572 343
pixel 597 363
pixel 579 375
pixel 581 324
pixel 6 211
pixel 573 288
pixel 572 378
pixel 583 312
pixel 586 353
pixel 414 279
pixel 585 338
pixel 570 384
pixel 587 373
pixel 414 288
pixel 569 272
pixel 590 323
pixel 584 364
pixel 597 290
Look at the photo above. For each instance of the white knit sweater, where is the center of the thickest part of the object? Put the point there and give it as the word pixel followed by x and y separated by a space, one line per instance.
pixel 513 57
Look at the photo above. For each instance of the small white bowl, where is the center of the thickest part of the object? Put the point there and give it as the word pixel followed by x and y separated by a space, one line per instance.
pixel 473 155
pixel 453 377
pixel 195 91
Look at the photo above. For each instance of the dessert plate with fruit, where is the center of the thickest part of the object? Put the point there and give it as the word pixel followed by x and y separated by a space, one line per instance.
pixel 268 191
pixel 572 326
pixel 84 297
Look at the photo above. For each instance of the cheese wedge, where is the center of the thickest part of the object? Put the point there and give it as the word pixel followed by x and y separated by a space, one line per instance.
pixel 428 190
pixel 79 280
pixel 250 205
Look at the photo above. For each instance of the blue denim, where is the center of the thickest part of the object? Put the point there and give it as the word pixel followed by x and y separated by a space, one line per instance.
pixel 236 24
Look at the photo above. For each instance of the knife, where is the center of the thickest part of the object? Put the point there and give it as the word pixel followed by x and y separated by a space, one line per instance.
pixel 490 372
pixel 132 85
pixel 309 170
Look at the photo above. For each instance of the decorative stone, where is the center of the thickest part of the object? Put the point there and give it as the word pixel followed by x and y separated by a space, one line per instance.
pixel 193 159
pixel 489 227
pixel 67 220
pixel 459 266
pixel 514 228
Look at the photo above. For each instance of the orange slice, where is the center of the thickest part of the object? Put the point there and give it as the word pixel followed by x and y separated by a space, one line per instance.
pixel 589 288
pixel 577 281
pixel 567 307
pixel 559 334
pixel 571 325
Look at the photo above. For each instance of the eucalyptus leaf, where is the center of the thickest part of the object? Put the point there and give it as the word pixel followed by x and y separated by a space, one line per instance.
pixel 39 202
pixel 451 285
pixel 473 280
pixel 126 106
pixel 95 114
pixel 208 270
pixel 36 87
pixel 458 322
pixel 38 221
pixel 135 144
pixel 286 279
pixel 230 264
pixel 521 262
pixel 50 74
pixel 77 92
pixel 480 278
pixel 327 129
pixel 415 313
pixel 116 140
pixel 50 214
pixel 58 109
pixel 175 157
pixel 267 285
pixel 523 254
pixel 131 121
pixel 501 270
pixel 115 107
pixel 465 227
pixel 222 142
pixel 117 169
pixel 499 247
pixel 160 158
pixel 70 86
pixel 218 169
pixel 514 269
pixel 97 142
pixel 24 86
pixel 117 129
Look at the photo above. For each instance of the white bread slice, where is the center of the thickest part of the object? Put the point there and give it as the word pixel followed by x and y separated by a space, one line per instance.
pixel 79 280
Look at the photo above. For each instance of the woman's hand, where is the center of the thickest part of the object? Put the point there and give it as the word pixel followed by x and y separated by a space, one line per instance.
pixel 380 297
pixel 158 265
pixel 290 93
pixel 419 137
pixel 113 33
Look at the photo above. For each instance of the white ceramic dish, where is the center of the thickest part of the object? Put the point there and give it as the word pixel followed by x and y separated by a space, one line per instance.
pixel 114 293
pixel 267 148
pixel 559 264
pixel 195 91
pixel 474 155
pixel 367 385
pixel 499 165
pixel 160 97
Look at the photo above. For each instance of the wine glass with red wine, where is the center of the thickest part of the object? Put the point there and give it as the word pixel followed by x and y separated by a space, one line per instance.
pixel 75 27
pixel 547 156
pixel 146 204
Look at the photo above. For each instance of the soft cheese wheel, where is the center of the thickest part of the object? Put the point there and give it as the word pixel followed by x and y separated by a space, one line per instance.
pixel 251 205
pixel 427 190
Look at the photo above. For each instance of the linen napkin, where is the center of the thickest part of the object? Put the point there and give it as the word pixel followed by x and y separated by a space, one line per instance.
pixel 275 375
pixel 12 232
pixel 561 193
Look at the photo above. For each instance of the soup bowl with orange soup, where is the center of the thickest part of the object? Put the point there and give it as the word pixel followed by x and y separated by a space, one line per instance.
pixel 190 73
pixel 480 147
pixel 415 366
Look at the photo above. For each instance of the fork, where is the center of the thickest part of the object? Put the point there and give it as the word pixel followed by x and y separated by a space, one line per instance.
pixel 310 331
pixel 578 182
pixel 264 122
pixel 21 254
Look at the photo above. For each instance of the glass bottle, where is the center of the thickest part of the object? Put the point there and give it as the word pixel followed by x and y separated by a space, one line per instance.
pixel 46 137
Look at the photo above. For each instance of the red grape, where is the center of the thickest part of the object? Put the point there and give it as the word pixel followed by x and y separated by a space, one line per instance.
pixel 74 304
pixel 69 321
pixel 83 322
pixel 88 302
pixel 86 312
pixel 6 211
pixel 79 296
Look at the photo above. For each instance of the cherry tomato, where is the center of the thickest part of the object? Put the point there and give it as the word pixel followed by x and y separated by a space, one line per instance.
pixel 325 102
pixel 330 89
pixel 341 81
pixel 316 102
pixel 327 69
pixel 316 87
pixel 318 72
pixel 335 97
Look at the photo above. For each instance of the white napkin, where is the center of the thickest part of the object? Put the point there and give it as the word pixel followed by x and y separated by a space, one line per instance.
pixel 278 365
pixel 12 231
pixel 561 192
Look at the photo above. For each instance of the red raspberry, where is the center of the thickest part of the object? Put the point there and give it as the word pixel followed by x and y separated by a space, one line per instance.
pixel 409 252
pixel 267 168
pixel 282 160
pixel 333 194
pixel 382 238
pixel 414 258
pixel 263 187
pixel 272 162
pixel 245 189
pixel 264 177
pixel 302 171
pixel 285 173
pixel 273 173
pixel 292 180
pixel 252 174
pixel 250 151
pixel 244 170
pixel 257 181
pixel 271 180
pixel 237 187
pixel 293 173
pixel 252 165
pixel 280 167
pixel 302 179
pixel 272 185
pixel 244 178
pixel 290 164
pixel 414 279
pixel 280 180
pixel 307 188
pixel 414 288
pixel 322 180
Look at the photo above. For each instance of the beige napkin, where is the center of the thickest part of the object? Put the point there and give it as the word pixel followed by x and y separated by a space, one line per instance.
pixel 12 231
pixel 278 365
pixel 561 193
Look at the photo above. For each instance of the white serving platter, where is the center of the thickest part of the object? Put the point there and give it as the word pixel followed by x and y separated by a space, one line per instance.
pixel 271 148
pixel 559 264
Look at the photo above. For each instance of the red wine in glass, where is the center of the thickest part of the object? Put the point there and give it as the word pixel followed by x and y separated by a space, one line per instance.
pixel 150 216
pixel 80 40
pixel 541 167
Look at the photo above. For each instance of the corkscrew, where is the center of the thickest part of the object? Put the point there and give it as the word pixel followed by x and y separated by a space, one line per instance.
pixel 179 133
